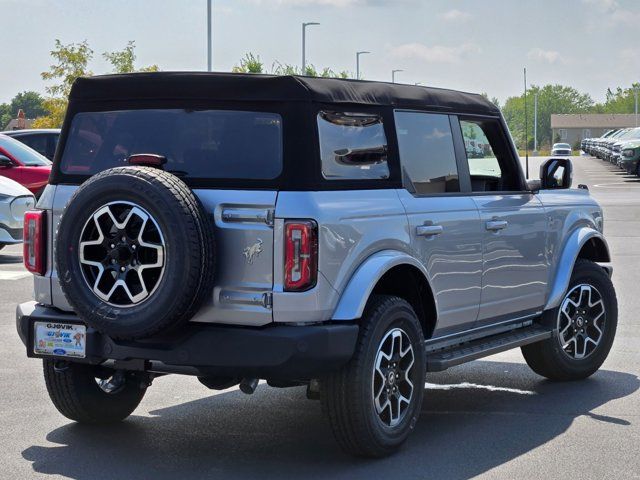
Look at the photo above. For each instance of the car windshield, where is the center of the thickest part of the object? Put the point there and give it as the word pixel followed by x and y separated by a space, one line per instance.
pixel 562 145
pixel 197 144
pixel 23 154
pixel 631 134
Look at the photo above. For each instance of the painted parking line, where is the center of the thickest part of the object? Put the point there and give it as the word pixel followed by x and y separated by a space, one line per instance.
pixel 8 275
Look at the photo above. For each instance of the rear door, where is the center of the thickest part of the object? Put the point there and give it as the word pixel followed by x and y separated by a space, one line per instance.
pixel 514 226
pixel 444 222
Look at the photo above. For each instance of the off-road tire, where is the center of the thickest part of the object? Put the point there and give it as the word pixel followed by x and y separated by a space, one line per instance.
pixel 76 394
pixel 547 358
pixel 189 253
pixel 347 394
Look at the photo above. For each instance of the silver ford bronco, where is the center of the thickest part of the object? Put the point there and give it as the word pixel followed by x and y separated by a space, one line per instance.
pixel 345 235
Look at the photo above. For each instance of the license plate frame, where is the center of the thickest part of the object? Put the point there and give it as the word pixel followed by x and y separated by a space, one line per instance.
pixel 59 339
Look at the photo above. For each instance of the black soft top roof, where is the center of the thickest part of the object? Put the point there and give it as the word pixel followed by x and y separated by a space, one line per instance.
pixel 269 88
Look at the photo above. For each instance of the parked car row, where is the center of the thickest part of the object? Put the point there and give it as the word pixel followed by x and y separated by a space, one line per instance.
pixel 15 200
pixel 621 147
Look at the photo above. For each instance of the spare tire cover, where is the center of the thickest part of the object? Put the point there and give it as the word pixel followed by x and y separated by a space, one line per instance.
pixel 135 252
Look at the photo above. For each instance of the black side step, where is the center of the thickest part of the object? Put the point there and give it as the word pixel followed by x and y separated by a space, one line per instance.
pixel 466 352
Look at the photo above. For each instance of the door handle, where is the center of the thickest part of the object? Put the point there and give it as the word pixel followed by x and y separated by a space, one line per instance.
pixel 429 230
pixel 496 225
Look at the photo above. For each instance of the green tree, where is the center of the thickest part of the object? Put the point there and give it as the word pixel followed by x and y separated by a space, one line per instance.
pixel 551 99
pixel 5 115
pixel 250 63
pixel 123 61
pixel 29 102
pixel 72 61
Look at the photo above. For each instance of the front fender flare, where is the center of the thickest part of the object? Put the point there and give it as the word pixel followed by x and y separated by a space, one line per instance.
pixel 570 252
pixel 356 294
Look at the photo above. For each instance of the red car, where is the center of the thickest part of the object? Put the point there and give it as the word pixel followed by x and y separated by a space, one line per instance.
pixel 23 165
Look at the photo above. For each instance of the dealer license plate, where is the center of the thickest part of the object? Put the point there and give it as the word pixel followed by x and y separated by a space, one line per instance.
pixel 59 339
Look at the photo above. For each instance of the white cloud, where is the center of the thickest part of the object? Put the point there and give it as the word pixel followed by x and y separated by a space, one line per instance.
pixel 545 56
pixel 435 53
pixel 455 16
pixel 610 14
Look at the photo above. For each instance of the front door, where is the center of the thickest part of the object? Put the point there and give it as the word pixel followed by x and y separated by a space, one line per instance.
pixel 445 225
pixel 514 225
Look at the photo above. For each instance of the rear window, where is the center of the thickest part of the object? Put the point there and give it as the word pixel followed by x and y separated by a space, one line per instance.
pixel 197 144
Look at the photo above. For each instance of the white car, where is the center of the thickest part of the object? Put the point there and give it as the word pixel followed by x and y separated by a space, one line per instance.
pixel 15 200
pixel 561 150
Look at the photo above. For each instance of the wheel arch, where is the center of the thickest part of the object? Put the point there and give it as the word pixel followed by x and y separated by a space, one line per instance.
pixel 586 243
pixel 392 273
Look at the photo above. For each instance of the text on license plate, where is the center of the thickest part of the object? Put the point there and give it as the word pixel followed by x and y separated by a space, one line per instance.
pixel 60 339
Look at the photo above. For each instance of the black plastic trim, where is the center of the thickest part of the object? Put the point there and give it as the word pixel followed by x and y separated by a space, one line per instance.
pixel 274 351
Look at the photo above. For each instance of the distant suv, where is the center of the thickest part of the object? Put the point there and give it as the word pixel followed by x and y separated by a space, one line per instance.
pixel 42 140
pixel 320 232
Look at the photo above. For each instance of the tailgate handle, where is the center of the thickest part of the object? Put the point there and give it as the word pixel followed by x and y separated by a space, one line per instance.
pixel 248 215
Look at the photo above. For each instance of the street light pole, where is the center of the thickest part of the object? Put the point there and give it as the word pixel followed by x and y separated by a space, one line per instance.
pixel 393 75
pixel 304 45
pixel 535 124
pixel 635 91
pixel 358 63
pixel 209 53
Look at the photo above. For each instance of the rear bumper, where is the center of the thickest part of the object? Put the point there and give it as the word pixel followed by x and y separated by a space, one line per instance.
pixel 272 352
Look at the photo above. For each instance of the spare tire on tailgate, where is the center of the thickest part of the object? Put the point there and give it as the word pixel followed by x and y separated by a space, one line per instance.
pixel 135 252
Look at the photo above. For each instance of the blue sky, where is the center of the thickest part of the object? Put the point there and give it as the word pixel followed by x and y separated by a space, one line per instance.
pixel 473 45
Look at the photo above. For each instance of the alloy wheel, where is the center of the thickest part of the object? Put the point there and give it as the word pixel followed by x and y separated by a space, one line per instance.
pixel 122 254
pixel 581 321
pixel 392 385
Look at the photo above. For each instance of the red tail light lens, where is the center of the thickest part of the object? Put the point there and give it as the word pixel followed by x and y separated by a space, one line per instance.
pixel 34 241
pixel 301 255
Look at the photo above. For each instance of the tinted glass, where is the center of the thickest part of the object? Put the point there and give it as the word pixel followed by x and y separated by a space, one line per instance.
pixel 37 142
pixel 427 154
pixel 352 146
pixel 22 153
pixel 197 144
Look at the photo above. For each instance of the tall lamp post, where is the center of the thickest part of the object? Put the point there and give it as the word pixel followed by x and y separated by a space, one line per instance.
pixel 363 52
pixel 635 92
pixel 535 124
pixel 209 53
pixel 393 75
pixel 304 46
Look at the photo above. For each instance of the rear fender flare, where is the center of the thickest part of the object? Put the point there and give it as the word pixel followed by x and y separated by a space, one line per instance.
pixel 357 292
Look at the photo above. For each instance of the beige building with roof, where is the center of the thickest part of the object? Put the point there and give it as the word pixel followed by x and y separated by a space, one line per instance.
pixel 573 128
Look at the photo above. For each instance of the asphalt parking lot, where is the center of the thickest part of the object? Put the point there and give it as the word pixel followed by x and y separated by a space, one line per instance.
pixel 488 419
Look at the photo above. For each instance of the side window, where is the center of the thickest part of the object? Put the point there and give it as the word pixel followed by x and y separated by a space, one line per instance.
pixel 427 154
pixel 353 146
pixel 491 163
pixel 37 142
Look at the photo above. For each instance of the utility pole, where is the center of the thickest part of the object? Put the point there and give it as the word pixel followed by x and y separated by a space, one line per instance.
pixel 304 45
pixel 535 124
pixel 358 63
pixel 209 53
pixel 393 75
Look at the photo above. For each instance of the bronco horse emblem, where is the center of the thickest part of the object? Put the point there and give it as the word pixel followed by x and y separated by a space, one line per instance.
pixel 252 252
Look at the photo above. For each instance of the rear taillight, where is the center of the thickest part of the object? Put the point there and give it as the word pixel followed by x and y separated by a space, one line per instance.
pixel 300 255
pixel 34 241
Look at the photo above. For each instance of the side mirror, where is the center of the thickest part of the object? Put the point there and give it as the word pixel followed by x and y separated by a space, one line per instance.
pixel 556 173
pixel 5 162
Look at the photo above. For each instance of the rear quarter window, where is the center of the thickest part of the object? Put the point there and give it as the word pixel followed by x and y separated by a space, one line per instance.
pixel 212 144
pixel 353 146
